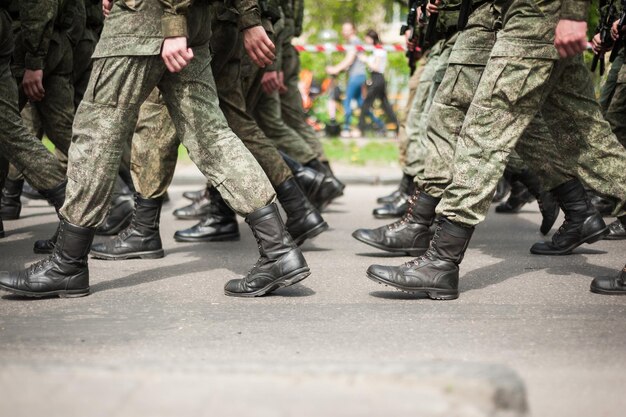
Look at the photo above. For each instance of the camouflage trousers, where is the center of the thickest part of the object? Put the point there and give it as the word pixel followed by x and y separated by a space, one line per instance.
pixel 616 111
pixel 610 83
pixel 418 116
pixel 403 138
pixel 107 117
pixel 17 145
pixel 154 149
pixel 291 102
pixel 266 110
pixel 524 74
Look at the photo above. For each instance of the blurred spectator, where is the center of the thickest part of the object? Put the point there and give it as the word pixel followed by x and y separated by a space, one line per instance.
pixel 376 86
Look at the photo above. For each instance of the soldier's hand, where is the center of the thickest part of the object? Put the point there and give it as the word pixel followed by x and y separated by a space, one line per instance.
pixel 106 7
pixel 270 82
pixel 175 53
pixel 570 37
pixel 281 79
pixel 32 83
pixel 433 8
pixel 615 30
pixel 596 45
pixel 259 46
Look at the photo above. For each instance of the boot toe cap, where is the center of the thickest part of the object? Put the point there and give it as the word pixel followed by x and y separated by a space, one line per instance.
pixel 608 285
pixel 380 271
pixel 364 235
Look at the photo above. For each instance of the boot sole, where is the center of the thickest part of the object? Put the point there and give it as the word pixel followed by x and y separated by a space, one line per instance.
pixel 312 233
pixel 605 292
pixel 408 251
pixel 220 238
pixel 588 240
pixel 290 279
pixel 12 216
pixel 134 255
pixel 432 293
pixel 59 293
pixel 120 226
pixel 609 237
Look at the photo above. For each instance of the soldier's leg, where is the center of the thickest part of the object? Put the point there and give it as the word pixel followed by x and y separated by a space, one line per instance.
pixel 608 88
pixel 616 111
pixel 291 102
pixel 219 153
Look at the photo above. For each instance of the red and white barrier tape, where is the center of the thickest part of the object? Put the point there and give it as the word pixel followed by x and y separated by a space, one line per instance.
pixel 329 47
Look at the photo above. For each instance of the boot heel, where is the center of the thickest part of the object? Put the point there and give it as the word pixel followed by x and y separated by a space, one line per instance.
pixel 297 278
pixel 443 295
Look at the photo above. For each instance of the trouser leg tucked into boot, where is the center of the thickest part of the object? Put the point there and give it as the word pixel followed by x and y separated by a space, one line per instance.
pixel 281 262
pixel 11 202
pixel 610 285
pixel 583 223
pixel 436 272
pixel 526 186
pixel 64 273
pixel 317 165
pixel 411 234
pixel 220 224
pixel 403 188
pixel 56 198
pixel 141 239
pixel 319 188
pixel 120 211
pixel 303 220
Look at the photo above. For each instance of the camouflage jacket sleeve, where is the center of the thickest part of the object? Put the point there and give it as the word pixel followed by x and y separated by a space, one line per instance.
pixel 249 13
pixel 174 22
pixel 37 25
pixel 575 9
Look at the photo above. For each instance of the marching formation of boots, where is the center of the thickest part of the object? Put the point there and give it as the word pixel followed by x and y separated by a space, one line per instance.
pixel 218 87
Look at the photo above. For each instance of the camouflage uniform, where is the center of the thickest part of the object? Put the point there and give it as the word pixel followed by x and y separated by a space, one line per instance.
pixel 524 74
pixel 291 101
pixel 428 86
pixel 403 138
pixel 17 145
pixel 127 68
pixel 616 110
pixel 610 83
pixel 153 166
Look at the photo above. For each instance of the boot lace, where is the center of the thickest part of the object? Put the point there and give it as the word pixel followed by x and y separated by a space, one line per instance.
pixel 407 216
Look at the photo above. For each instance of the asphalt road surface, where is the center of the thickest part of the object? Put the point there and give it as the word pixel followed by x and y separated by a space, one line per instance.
pixel 158 337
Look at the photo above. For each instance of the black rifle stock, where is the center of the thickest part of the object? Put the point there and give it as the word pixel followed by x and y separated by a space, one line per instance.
pixel 619 43
pixel 411 22
pixel 607 16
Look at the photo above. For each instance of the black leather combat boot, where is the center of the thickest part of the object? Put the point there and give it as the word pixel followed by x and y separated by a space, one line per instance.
pixel 303 220
pixel 29 192
pixel 398 207
pixel 436 272
pixel 195 195
pixel 526 186
pixel 610 285
pixel 583 223
pixel 604 205
pixel 56 198
pixel 281 263
pixel 120 211
pixel 617 229
pixel 64 273
pixel 11 202
pixel 324 168
pixel 411 234
pixel 502 189
pixel 404 187
pixel 197 210
pixel 219 225
pixel 141 239
pixel 319 188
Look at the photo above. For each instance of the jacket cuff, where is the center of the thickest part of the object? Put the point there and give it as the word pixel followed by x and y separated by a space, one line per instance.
pixel 33 62
pixel 249 19
pixel 575 9
pixel 174 26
